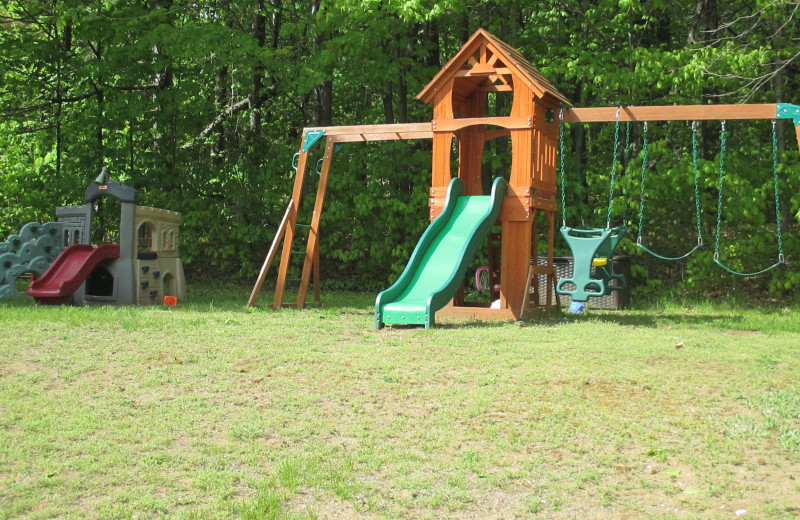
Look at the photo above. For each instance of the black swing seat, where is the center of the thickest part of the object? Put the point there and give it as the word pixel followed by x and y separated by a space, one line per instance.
pixel 592 271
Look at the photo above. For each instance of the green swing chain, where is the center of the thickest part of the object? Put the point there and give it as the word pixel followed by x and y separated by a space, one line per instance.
pixel 563 178
pixel 626 161
pixel 723 147
pixel 561 167
pixel 696 197
pixel 641 196
pixel 613 169
pixel 696 183
pixel 781 258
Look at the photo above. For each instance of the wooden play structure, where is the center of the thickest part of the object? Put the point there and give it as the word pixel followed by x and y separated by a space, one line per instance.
pixel 459 92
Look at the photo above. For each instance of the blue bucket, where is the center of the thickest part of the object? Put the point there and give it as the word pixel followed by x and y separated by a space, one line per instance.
pixel 576 307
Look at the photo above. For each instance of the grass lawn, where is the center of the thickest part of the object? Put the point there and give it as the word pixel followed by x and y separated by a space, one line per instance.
pixel 209 411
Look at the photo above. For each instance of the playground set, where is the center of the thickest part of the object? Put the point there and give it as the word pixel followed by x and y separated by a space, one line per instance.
pixel 142 269
pixel 432 283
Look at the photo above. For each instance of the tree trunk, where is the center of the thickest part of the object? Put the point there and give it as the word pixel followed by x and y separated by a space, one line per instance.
pixel 164 138
pixel 323 93
pixel 402 88
pixel 463 27
pixel 221 97
pixel 100 117
pixel 430 41
pixel 66 46
pixel 386 97
pixel 704 18
pixel 259 26
pixel 276 23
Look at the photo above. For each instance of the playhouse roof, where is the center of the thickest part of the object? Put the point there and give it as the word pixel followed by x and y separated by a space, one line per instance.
pixel 510 57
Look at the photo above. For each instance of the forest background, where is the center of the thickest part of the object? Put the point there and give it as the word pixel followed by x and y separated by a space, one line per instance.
pixel 200 105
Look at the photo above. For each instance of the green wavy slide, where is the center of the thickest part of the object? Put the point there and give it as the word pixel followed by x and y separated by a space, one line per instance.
pixel 439 262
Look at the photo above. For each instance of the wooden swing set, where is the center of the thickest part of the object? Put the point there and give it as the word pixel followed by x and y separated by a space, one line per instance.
pixel 459 95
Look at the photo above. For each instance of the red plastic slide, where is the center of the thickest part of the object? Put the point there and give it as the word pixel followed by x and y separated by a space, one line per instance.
pixel 69 271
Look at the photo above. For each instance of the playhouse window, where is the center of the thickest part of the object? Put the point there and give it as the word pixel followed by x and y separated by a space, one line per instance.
pixel 144 237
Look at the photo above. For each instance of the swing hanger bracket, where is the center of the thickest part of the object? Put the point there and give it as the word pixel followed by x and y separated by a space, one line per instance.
pixel 788 111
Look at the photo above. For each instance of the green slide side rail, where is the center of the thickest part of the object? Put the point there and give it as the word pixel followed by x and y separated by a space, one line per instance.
pixel 439 262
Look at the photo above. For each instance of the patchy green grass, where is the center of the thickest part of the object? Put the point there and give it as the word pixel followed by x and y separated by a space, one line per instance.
pixel 209 411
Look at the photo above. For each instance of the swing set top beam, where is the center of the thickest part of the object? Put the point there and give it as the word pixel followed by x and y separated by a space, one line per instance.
pixel 391 132
pixel 682 113
pixel 363 133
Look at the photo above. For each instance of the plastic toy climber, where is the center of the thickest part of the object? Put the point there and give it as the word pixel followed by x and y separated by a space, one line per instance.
pixel 140 270
pixel 30 252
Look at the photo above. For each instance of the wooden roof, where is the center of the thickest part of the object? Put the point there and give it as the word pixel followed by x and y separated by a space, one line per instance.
pixel 474 72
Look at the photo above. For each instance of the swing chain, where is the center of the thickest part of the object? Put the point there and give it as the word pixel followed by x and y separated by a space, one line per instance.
pixel 561 159
pixel 696 197
pixel 722 146
pixel 644 169
pixel 781 258
pixel 626 160
pixel 776 182
pixel 696 170
pixel 613 168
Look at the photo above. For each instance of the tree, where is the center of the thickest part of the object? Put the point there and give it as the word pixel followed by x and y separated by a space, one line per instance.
pixel 200 105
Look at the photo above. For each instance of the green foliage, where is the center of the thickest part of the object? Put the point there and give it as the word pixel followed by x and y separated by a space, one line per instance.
pixel 201 111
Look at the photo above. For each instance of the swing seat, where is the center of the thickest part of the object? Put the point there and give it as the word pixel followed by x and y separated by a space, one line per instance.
pixel 591 275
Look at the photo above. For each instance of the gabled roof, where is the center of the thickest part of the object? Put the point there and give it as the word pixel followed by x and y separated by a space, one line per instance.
pixel 511 58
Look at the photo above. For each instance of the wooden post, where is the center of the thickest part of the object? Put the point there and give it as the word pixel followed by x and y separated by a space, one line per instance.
pixel 297 191
pixel 273 248
pixel 312 247
pixel 515 253
pixel 442 146
pixel 797 132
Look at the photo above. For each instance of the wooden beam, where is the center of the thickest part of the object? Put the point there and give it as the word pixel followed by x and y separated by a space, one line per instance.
pixel 383 136
pixel 495 88
pixel 512 123
pixel 476 313
pixel 377 132
pixel 270 256
pixel 670 113
pixel 797 133
pixel 494 134
pixel 465 73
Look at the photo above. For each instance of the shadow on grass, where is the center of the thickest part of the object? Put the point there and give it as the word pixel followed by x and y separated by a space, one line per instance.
pixel 649 319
